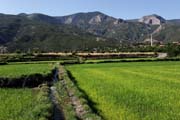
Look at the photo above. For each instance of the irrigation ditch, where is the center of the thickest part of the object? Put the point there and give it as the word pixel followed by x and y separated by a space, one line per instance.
pixel 57 110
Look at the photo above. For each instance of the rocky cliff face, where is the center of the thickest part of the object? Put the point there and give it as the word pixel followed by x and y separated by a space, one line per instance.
pixel 152 20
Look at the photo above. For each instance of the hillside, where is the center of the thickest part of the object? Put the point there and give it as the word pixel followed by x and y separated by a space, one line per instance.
pixel 81 32
pixel 99 24
pixel 22 34
pixel 170 33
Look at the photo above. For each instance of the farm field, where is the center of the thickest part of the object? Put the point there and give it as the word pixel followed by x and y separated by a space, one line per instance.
pixel 17 70
pixel 23 104
pixel 132 91
pixel 16 104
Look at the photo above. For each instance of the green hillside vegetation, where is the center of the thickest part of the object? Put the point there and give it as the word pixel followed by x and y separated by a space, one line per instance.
pixel 169 34
pixel 18 33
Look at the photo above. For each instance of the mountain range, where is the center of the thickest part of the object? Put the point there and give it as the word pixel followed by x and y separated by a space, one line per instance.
pixel 90 31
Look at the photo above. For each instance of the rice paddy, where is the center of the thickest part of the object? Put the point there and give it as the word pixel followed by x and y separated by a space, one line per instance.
pixel 24 103
pixel 17 70
pixel 132 91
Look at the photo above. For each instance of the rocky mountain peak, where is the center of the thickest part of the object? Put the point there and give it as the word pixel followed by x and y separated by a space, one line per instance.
pixel 152 20
pixel 96 19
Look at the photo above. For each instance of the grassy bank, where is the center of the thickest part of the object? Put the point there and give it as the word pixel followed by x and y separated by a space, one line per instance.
pixel 75 105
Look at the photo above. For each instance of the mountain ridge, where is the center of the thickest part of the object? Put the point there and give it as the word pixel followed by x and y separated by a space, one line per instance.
pixel 82 31
pixel 93 12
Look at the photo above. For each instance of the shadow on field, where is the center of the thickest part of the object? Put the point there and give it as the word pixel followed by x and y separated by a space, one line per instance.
pixel 29 81
pixel 90 102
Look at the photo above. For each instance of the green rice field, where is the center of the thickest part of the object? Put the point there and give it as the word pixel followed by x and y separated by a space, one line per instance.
pixel 132 91
pixel 23 104
pixel 17 70
pixel 16 104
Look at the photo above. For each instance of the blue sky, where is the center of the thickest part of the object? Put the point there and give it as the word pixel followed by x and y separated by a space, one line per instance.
pixel 126 9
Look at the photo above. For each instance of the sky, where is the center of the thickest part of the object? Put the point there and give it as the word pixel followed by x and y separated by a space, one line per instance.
pixel 125 9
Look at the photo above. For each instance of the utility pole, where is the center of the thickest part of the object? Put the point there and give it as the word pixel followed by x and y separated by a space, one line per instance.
pixel 151 40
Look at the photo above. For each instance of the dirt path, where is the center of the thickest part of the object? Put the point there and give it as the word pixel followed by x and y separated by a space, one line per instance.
pixel 79 109
pixel 57 112
pixel 162 55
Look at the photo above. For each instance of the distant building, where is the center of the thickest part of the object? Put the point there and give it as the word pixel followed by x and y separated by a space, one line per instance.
pixel 176 43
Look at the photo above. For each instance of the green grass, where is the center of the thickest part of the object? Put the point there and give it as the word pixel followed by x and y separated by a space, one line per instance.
pixel 17 70
pixel 15 104
pixel 23 104
pixel 132 91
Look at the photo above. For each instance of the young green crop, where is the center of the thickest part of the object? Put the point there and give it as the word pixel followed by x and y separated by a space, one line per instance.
pixel 17 70
pixel 132 91
pixel 23 104
pixel 16 104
